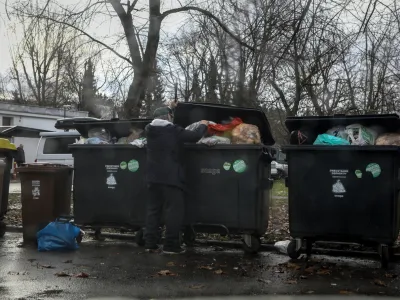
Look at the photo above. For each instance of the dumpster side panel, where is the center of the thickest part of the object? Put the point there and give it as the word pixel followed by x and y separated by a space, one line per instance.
pixel 346 194
pixel 109 185
pixel 225 188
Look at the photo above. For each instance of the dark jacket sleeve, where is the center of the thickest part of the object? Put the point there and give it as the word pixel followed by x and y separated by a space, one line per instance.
pixel 189 136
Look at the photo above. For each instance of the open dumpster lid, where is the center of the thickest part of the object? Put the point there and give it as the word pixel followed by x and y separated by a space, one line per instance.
pixel 68 123
pixel 189 112
pixel 117 128
pixel 390 122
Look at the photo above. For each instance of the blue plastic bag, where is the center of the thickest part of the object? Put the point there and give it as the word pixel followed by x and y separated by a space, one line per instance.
pixel 58 236
pixel 327 139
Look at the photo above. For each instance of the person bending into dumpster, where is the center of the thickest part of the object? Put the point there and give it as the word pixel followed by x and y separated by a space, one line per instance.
pixel 165 178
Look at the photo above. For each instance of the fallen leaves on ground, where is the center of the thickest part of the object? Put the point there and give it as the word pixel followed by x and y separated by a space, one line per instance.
pixel 170 264
pixel 62 274
pixel 345 293
pixel 379 283
pixel 197 287
pixel 69 261
pixel 45 266
pixel 324 272
pixel 309 270
pixel 264 281
pixel 293 266
pixel 209 268
pixel 81 275
pixel 303 277
pixel 166 273
pixel 388 275
pixel 219 272
pixel 291 282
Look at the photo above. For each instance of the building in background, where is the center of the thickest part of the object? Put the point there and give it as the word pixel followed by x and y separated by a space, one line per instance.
pixel 21 124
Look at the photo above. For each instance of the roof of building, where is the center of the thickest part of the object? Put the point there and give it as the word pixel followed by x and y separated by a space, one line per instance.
pixel 14 108
pixel 20 131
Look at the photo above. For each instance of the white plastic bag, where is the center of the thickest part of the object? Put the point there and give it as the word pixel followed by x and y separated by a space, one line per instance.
pixel 214 140
pixel 282 246
pixel 139 142
pixel 359 135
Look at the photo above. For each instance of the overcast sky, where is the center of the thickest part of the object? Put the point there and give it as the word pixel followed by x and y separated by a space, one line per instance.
pixel 101 27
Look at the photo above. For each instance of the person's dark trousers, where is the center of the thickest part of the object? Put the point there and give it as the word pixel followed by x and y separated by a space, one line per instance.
pixel 173 198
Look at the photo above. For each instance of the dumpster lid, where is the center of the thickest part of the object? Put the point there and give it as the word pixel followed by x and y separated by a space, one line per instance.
pixel 6 144
pixel 117 128
pixel 390 122
pixel 68 123
pixel 190 112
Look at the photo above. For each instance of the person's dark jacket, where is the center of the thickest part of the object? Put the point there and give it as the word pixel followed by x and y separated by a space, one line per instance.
pixel 20 156
pixel 165 151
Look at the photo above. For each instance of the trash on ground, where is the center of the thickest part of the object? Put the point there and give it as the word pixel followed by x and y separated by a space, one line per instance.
pixel 282 246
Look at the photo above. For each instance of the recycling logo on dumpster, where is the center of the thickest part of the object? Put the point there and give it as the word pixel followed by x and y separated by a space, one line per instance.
pixel 111 182
pixel 338 187
pixel 35 189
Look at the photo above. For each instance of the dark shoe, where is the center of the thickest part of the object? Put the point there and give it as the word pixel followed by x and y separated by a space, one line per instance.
pixel 173 250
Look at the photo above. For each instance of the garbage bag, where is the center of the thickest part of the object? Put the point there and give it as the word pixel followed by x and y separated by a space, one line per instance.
pixel 100 133
pixel 139 142
pixel 214 140
pixel 359 135
pixel 224 129
pixel 135 134
pixel 96 141
pixel 327 139
pixel 282 246
pixel 58 236
pixel 338 131
pixel 246 134
pixel 388 139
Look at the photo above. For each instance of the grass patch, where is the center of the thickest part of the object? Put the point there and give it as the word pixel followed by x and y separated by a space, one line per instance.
pixel 279 189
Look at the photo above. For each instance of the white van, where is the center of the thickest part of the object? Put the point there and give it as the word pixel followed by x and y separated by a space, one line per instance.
pixel 53 147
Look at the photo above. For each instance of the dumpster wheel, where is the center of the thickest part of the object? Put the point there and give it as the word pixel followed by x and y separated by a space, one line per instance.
pixel 189 237
pixel 139 237
pixel 251 244
pixel 292 250
pixel 2 228
pixel 384 252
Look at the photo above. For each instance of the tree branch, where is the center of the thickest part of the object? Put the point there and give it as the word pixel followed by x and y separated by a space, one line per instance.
pixel 209 15
pixel 84 33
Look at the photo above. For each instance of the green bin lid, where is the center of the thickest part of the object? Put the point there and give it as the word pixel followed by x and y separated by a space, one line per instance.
pixel 6 144
pixel 190 112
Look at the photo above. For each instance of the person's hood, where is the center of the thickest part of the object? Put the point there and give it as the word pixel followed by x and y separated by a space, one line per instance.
pixel 158 127
pixel 160 123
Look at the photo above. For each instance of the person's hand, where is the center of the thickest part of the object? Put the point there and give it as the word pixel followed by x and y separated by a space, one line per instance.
pixel 204 122
pixel 172 104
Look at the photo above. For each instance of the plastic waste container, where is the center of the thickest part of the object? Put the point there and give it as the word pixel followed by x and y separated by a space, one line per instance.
pixel 45 196
pixel 110 180
pixel 7 152
pixel 228 186
pixel 343 193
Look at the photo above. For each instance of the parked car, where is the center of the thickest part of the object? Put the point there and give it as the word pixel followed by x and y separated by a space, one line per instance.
pixel 53 147
pixel 279 167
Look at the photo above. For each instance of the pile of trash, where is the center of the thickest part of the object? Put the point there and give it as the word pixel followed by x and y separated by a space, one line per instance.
pixel 232 131
pixel 101 136
pixel 355 134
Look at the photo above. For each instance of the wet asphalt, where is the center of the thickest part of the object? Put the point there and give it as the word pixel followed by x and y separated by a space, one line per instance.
pixel 121 268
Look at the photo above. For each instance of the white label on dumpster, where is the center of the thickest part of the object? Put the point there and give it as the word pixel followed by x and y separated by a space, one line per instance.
pixel 339 173
pixel 338 188
pixel 111 181
pixel 210 171
pixel 35 189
